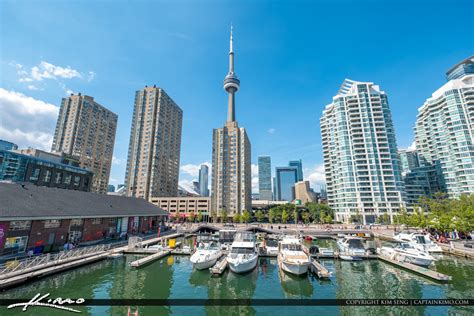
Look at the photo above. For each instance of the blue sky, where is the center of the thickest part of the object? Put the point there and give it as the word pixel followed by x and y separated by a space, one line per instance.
pixel 291 57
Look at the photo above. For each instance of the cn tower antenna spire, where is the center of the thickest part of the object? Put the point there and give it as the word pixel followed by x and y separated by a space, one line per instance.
pixel 231 82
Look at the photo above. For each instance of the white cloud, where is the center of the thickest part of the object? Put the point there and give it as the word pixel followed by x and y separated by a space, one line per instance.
pixel 116 161
pixel 315 175
pixel 26 121
pixel 271 131
pixel 193 170
pixel 91 76
pixel 412 146
pixel 33 87
pixel 47 70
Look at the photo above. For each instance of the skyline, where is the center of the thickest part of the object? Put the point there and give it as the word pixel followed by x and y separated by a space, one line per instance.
pixel 190 64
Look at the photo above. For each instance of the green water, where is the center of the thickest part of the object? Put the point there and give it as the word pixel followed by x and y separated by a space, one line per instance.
pixel 174 277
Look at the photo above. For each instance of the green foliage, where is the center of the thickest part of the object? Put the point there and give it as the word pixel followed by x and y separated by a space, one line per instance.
pixel 191 217
pixel 441 213
pixel 237 218
pixel 272 215
pixel 245 218
pixel 260 216
pixel 224 215
pixel 199 217
pixel 214 216
pixel 315 212
pixel 306 217
pixel 284 216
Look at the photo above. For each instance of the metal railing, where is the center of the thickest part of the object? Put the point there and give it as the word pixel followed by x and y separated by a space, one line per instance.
pixel 15 267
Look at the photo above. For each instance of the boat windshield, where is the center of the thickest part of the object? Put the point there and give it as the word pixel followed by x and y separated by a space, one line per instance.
pixel 241 250
pixel 271 243
pixel 244 236
pixel 420 239
pixel 406 246
pixel 355 243
pixel 291 247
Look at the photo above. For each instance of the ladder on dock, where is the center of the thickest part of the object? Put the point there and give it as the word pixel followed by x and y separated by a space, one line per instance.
pixel 417 269
pixel 220 266
pixel 320 270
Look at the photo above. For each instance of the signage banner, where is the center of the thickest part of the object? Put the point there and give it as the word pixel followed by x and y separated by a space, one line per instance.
pixel 3 233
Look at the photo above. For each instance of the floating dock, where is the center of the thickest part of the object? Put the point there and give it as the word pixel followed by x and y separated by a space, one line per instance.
pixel 320 270
pixel 140 262
pixel 417 269
pixel 336 255
pixel 220 266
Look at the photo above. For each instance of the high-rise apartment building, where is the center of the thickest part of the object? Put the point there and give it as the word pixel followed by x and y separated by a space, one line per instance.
pixel 444 131
pixel 409 159
pixel 203 181
pixel 155 145
pixel 285 177
pixel 362 166
pixel 231 173
pixel 265 178
pixel 86 130
pixel 298 164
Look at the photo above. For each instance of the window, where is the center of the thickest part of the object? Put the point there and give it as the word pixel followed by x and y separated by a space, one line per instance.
pixel 77 180
pixel 35 174
pixel 58 178
pixel 96 221
pixel 113 220
pixel 67 179
pixel 52 223
pixel 47 176
pixel 20 225
pixel 76 222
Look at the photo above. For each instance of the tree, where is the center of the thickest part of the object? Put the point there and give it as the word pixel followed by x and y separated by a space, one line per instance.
pixel 224 216
pixel 271 215
pixel 214 216
pixel 245 216
pixel 306 217
pixel 192 217
pixel 284 217
pixel 260 216
pixel 199 217
pixel 237 218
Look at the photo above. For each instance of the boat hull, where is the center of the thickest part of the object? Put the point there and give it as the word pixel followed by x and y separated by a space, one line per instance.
pixel 242 266
pixel 202 262
pixel 293 268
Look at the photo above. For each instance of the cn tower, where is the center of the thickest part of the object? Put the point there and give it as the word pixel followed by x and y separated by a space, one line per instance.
pixel 231 82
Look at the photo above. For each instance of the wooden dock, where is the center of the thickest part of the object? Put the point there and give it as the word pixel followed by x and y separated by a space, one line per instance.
pixel 140 262
pixel 417 269
pixel 336 255
pixel 220 266
pixel 320 270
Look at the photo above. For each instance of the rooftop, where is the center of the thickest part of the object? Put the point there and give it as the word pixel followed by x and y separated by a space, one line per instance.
pixel 28 201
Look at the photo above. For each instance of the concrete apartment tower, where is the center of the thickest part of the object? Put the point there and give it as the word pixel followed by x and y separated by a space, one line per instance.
pixel 86 130
pixel 445 128
pixel 265 178
pixel 361 162
pixel 155 145
pixel 231 168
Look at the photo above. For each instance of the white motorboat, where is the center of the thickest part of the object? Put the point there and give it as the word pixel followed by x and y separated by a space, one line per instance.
pixel 420 242
pixel 291 257
pixel 270 247
pixel 406 252
pixel 243 254
pixel 206 255
pixel 351 248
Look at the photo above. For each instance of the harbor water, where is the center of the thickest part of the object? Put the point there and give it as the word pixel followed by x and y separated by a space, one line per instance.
pixel 173 277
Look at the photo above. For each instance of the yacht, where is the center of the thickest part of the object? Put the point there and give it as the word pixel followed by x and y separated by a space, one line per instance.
pixel 269 246
pixel 243 254
pixel 420 242
pixel 351 248
pixel 206 255
pixel 406 252
pixel 291 257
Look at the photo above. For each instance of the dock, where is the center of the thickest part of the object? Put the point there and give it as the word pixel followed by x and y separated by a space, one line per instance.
pixel 417 269
pixel 140 262
pixel 336 255
pixel 220 266
pixel 320 270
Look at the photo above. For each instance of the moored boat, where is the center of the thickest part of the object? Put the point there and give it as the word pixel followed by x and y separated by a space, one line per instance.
pixel 206 255
pixel 351 248
pixel 243 254
pixel 291 257
pixel 406 252
pixel 420 241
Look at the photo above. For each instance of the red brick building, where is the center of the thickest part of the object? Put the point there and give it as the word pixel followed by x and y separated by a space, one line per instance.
pixel 44 219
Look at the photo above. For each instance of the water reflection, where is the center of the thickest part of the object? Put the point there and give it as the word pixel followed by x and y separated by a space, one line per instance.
pixel 295 286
